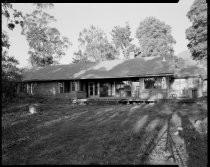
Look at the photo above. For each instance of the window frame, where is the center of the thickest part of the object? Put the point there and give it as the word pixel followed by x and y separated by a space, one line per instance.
pixel 61 87
pixel 75 86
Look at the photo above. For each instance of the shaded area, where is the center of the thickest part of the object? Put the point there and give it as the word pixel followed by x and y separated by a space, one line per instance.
pixel 111 134
pixel 196 142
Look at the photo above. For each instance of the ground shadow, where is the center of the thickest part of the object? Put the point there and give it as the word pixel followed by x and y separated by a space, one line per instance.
pixel 196 144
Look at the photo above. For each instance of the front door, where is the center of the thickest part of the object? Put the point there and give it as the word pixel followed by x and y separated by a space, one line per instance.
pixel 93 89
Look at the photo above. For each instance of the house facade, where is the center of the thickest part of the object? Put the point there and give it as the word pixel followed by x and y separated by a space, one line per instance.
pixel 139 78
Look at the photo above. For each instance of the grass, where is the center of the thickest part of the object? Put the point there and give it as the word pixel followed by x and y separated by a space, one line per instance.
pixel 111 134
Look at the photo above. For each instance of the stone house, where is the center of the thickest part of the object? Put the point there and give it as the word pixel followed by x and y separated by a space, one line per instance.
pixel 137 78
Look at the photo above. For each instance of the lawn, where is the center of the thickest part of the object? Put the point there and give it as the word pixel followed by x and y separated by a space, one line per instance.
pixel 60 133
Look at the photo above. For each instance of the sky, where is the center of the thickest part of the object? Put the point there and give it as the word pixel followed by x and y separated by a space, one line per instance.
pixel 72 18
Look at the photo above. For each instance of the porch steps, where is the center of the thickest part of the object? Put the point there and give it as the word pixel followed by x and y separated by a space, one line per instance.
pixel 117 101
pixel 135 100
pixel 179 100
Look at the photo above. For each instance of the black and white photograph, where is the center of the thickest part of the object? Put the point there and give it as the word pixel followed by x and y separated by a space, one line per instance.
pixel 104 84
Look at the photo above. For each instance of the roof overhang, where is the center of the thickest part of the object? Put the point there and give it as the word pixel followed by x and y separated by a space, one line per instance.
pixel 100 78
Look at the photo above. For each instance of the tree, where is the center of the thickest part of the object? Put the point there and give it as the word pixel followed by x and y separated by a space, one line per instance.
pixel 46 43
pixel 122 40
pixel 179 62
pixel 155 38
pixel 197 33
pixel 10 73
pixel 13 16
pixel 79 57
pixel 94 46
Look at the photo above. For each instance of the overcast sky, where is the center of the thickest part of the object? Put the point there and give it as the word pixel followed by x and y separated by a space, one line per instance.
pixel 73 18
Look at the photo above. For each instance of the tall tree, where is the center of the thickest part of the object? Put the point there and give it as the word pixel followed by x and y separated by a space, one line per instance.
pixel 155 38
pixel 121 37
pixel 94 46
pixel 197 33
pixel 46 44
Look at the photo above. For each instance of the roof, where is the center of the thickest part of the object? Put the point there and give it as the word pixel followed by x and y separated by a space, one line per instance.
pixel 191 71
pixel 138 67
pixel 106 69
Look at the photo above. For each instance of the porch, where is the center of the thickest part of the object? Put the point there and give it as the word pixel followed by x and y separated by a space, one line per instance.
pixel 137 89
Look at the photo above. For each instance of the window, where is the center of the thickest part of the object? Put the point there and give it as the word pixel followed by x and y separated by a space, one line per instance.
pixel 196 81
pixel 73 86
pixel 153 83
pixel 66 86
pixel 91 89
pixel 149 83
pixel 22 87
pixel 61 87
pixel 81 86
pixel 96 89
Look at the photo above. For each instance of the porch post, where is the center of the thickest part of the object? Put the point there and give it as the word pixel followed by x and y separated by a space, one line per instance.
pixel 32 88
pixel 18 88
pixel 200 87
pixel 76 85
pixel 167 86
pixel 27 88
pixel 131 85
pixel 98 89
pixel 114 89
pixel 88 89
pixel 141 86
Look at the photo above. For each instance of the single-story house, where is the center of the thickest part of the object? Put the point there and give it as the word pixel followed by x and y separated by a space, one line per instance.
pixel 139 78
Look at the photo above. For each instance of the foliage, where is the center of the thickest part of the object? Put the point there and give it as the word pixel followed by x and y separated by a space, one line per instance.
pixel 5 40
pixel 197 33
pixel 10 72
pixel 155 38
pixel 122 40
pixel 13 16
pixel 46 43
pixel 10 75
pixel 43 5
pixel 179 62
pixel 79 57
pixel 94 46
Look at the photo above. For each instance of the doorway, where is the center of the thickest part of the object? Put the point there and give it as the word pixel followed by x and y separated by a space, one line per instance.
pixel 93 89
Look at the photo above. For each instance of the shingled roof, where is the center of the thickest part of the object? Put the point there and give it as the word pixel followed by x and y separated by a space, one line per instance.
pixel 138 67
pixel 107 69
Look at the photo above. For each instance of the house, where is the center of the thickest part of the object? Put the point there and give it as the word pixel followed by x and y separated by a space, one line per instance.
pixel 139 78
